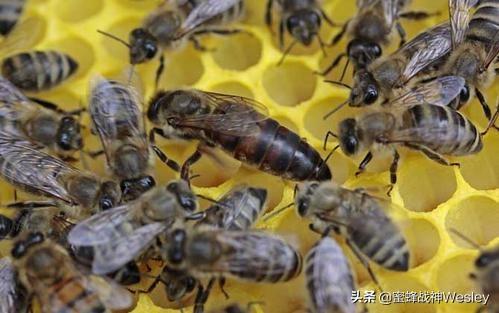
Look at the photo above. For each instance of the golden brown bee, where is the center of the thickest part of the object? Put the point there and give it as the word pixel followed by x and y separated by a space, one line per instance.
pixel 77 193
pixel 359 218
pixel 475 45
pixel 10 11
pixel 330 280
pixel 47 272
pixel 124 233
pixel 38 121
pixel 38 70
pixel 240 127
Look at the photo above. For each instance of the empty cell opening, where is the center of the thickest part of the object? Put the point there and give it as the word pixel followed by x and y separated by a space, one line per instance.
pixel 17 39
pixel 237 52
pixel 342 167
pixel 290 83
pixel 453 275
pixel 422 239
pixel 476 218
pixel 481 171
pixel 314 118
pixel 214 171
pixel 182 68
pixel 75 10
pixel 79 49
pixel 425 184
pixel 233 88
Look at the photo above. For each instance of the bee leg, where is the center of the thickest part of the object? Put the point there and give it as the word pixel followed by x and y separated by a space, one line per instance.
pixel 364 261
pixel 340 34
pixel 281 34
pixel 364 163
pixel 417 15
pixel 47 105
pixel 165 159
pixel 31 204
pixel 327 18
pixel 184 172
pixel 221 285
pixel 435 156
pixel 197 45
pixel 159 70
pixel 332 65
pixel 202 296
pixel 401 33
pixel 483 102
pixel 94 154
pixel 393 171
pixel 268 14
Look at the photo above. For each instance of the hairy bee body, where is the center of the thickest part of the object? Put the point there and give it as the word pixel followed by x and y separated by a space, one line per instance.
pixel 38 70
pixel 10 11
pixel 486 275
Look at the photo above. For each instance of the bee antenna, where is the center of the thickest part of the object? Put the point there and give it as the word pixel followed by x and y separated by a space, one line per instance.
pixel 325 117
pixel 277 212
pixel 331 153
pixel 345 69
pixel 113 37
pixel 465 238
pixel 339 83
pixel 286 52
pixel 492 121
pixel 321 44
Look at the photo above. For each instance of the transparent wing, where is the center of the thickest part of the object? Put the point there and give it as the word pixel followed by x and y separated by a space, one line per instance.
pixel 10 93
pixel 24 36
pixel 111 294
pixel 34 170
pixel 390 11
pixel 439 91
pixel 7 286
pixel 460 14
pixel 115 254
pixel 231 115
pixel 102 227
pixel 425 49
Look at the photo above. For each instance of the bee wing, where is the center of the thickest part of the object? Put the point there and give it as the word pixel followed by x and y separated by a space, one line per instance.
pixel 24 36
pixel 10 93
pixel 110 293
pixel 102 227
pixel 204 12
pixel 439 91
pixel 115 254
pixel 460 14
pixel 390 11
pixel 7 286
pixel 492 54
pixel 231 115
pixel 425 49
pixel 423 134
pixel 31 169
pixel 115 112
pixel 361 4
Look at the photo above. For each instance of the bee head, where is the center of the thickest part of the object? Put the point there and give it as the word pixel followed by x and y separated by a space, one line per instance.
pixel 22 246
pixel 365 89
pixel 363 52
pixel 349 136
pixel 110 195
pixel 304 196
pixel 486 258
pixel 177 241
pixel 69 134
pixel 184 195
pixel 304 25
pixel 177 283
pixel 132 188
pixel 143 46
pixel 464 95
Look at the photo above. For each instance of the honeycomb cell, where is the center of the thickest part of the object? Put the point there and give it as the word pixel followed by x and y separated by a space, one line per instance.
pixel 341 166
pixel 233 88
pixel 422 238
pixel 76 10
pixel 79 49
pixel 290 83
pixel 238 52
pixel 183 68
pixel 427 177
pixel 120 29
pixel 214 171
pixel 476 218
pixel 481 171
pixel 286 122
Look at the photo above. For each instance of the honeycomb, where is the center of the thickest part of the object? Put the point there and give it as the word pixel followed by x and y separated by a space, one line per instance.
pixel 429 198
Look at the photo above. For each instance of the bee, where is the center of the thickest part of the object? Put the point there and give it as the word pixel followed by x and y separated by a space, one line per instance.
pixel 329 277
pixel 122 234
pixel 475 45
pixel 36 71
pixel 359 218
pixel 38 121
pixel 47 272
pixel 10 12
pixel 77 193
pixel 13 294
pixel 387 75
pixel 302 19
pixel 237 125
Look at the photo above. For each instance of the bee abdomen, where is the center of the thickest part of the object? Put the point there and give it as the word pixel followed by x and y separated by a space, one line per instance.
pixel 484 24
pixel 76 298
pixel 38 70
pixel 10 11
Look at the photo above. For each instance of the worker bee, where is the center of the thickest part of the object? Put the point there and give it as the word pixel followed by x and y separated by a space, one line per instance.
pixel 38 121
pixel 240 127
pixel 38 70
pixel 329 278
pixel 78 193
pixel 10 12
pixel 47 272
pixel 359 218
pixel 122 234
pixel 475 45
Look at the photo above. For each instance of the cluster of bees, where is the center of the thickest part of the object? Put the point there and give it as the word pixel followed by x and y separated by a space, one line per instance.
pixel 86 235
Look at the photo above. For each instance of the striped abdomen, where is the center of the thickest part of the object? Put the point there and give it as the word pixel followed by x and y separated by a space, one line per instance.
pixel 38 70
pixel 231 15
pixel 380 240
pixel 276 150
pixel 10 11
pixel 441 129
pixel 329 278
pixel 484 24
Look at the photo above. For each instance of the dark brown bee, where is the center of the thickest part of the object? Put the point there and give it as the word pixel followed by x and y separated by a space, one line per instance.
pixel 38 121
pixel 329 277
pixel 475 48
pixel 48 273
pixel 38 70
pixel 240 127
pixel 10 11
pixel 358 217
